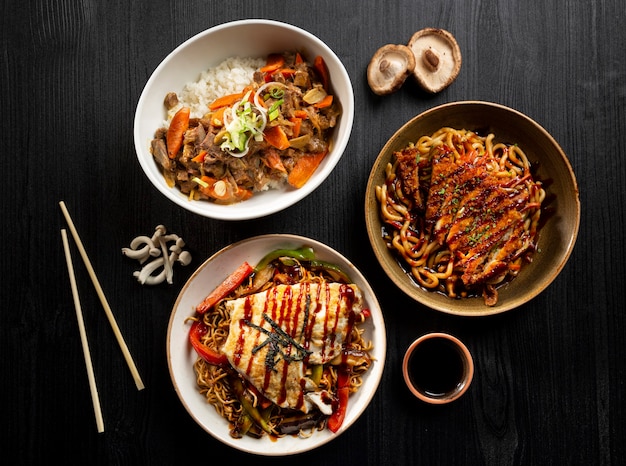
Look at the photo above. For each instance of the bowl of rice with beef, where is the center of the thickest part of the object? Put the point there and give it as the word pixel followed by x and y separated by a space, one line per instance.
pixel 244 119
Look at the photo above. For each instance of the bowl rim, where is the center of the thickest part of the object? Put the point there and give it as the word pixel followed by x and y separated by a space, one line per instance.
pixel 222 212
pixel 178 315
pixel 410 289
pixel 468 366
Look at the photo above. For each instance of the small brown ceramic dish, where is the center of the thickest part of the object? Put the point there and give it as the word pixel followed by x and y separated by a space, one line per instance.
pixel 438 368
pixel 560 211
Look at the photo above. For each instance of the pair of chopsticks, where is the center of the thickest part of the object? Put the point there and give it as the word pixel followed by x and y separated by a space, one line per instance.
pixel 79 316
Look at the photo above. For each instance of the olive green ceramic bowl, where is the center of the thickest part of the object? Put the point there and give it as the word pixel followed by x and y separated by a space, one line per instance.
pixel 560 210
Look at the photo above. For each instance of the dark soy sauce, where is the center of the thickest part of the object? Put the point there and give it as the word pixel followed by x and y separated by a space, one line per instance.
pixel 436 367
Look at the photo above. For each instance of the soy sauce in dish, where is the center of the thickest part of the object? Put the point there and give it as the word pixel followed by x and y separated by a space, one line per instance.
pixel 436 367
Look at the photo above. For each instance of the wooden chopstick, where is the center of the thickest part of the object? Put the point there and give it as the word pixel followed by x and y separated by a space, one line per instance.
pixel 103 300
pixel 83 336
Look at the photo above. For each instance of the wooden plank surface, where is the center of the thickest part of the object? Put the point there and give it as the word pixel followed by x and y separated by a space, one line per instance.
pixel 549 384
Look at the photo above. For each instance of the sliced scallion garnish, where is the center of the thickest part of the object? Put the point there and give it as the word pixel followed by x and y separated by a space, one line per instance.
pixel 274 110
pixel 202 183
pixel 246 120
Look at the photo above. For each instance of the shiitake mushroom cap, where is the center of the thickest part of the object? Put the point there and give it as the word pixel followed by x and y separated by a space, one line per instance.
pixel 437 58
pixel 389 67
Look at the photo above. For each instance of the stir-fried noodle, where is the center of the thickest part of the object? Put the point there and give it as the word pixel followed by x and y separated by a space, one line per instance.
pixel 216 382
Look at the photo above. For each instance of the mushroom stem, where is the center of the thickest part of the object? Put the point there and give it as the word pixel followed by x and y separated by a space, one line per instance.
pixel 157 247
pixel 431 59
pixel 141 253
pixel 145 275
pixel 167 265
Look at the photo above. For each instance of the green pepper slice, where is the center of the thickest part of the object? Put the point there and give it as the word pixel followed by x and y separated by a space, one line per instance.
pixel 304 253
pixel 247 405
pixel 334 270
pixel 316 373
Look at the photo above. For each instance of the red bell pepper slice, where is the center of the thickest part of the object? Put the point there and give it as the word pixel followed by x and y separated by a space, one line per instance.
pixel 199 329
pixel 343 393
pixel 225 288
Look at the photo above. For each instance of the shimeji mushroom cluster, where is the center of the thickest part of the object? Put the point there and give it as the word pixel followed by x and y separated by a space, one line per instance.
pixel 432 56
pixel 160 267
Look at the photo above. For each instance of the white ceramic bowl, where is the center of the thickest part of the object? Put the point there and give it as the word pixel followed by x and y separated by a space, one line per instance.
pixel 181 356
pixel 245 38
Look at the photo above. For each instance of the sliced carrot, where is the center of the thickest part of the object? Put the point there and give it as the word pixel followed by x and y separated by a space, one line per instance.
pixel 217 117
pixel 276 136
pixel 299 58
pixel 219 190
pixel 200 157
pixel 302 114
pixel 225 100
pixel 223 190
pixel 322 70
pixel 287 72
pixel 176 131
pixel 272 159
pixel 225 288
pixel 325 102
pixel 251 95
pixel 274 62
pixel 242 193
pixel 304 168
pixel 208 179
pixel 209 182
pixel 297 123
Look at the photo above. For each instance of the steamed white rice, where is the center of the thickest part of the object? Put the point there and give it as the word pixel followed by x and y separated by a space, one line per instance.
pixel 229 77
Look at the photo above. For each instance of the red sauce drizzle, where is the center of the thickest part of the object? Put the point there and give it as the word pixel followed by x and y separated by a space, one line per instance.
pixel 304 326
pixel 287 314
pixel 285 323
pixel 347 293
pixel 313 310
pixel 247 314
pixel 305 290
pixel 300 402
pixel 326 317
pixel 344 295
pixel 271 305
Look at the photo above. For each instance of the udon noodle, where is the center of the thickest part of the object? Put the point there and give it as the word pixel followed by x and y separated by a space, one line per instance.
pixel 461 211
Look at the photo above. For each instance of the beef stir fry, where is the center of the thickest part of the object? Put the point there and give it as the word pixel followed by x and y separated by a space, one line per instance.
pixel 273 133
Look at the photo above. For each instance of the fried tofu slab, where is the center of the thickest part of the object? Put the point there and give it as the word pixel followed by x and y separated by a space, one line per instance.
pixel 275 335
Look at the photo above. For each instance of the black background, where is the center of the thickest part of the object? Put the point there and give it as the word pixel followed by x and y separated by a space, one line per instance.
pixel 549 382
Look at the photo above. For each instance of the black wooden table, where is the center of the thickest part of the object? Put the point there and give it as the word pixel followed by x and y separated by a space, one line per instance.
pixel 550 376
